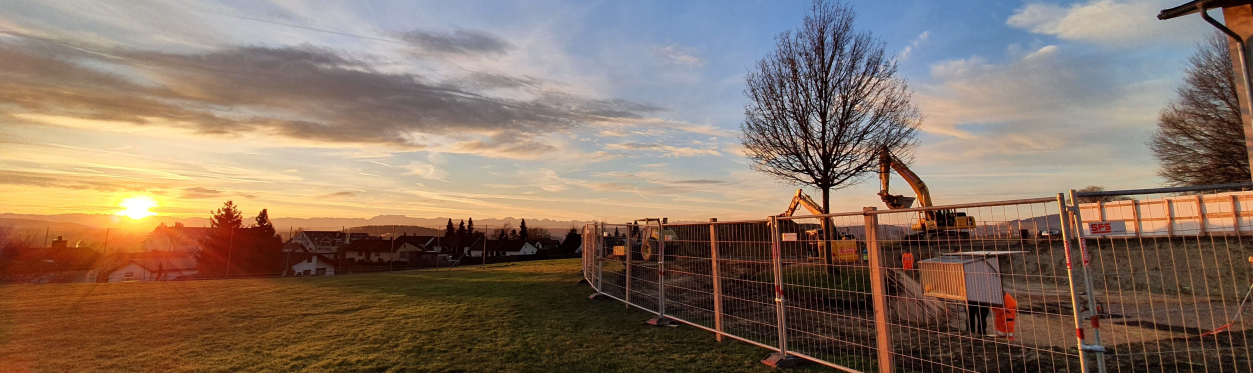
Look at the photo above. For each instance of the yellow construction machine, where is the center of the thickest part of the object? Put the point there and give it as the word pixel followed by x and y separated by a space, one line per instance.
pixel 930 224
pixel 845 246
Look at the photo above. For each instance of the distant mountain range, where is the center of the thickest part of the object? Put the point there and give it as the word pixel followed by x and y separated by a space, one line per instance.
pixel 86 221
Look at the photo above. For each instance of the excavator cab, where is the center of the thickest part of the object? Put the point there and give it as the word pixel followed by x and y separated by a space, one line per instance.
pixel 944 223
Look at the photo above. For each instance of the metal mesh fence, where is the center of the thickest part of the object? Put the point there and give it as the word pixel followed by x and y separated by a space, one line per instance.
pixel 1086 282
pixel 827 290
pixel 987 289
pixel 1170 271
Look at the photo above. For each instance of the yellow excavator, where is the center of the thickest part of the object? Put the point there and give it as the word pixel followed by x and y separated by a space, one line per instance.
pixel 845 246
pixel 930 224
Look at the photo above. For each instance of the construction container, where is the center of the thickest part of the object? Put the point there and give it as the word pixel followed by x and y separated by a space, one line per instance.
pixel 967 277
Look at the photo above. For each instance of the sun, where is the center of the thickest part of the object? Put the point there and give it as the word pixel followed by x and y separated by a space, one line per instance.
pixel 137 207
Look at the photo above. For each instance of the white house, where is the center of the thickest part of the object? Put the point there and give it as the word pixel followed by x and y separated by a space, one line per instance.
pixel 314 265
pixel 176 238
pixel 162 266
pixel 503 248
pixel 379 250
pixel 326 242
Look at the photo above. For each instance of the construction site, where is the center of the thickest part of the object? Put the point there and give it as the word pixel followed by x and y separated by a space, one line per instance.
pixel 1152 280
pixel 1139 280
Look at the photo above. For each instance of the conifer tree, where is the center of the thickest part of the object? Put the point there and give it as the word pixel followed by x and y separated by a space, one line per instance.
pixel 217 244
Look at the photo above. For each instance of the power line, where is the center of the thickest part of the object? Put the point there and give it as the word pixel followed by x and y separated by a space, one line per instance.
pixel 340 33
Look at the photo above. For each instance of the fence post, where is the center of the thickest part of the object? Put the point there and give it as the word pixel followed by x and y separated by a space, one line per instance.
pixel 661 319
pixel 1235 214
pixel 1072 219
pixel 600 265
pixel 877 292
pixel 627 251
pixel 1170 218
pixel 781 358
pixel 661 270
pixel 717 278
pixel 1200 213
pixel 1135 211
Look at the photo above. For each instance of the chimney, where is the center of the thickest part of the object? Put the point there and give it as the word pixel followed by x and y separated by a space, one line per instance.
pixel 59 243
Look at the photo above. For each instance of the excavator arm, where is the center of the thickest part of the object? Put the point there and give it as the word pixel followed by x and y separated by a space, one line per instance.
pixel 888 163
pixel 802 199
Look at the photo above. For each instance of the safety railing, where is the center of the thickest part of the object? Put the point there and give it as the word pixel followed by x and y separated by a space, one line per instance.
pixel 1009 286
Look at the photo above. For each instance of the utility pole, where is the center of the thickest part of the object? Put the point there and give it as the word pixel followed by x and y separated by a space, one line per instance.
pixel 393 257
pixel 339 258
pixel 230 248
pixel 287 260
pixel 104 249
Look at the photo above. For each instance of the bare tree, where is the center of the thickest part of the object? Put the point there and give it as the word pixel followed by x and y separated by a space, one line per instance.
pixel 823 104
pixel 1200 138
pixel 1098 188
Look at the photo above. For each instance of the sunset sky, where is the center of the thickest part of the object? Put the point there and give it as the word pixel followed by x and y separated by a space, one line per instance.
pixel 547 109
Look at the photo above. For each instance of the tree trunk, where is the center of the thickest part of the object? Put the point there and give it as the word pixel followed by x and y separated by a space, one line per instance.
pixel 827 231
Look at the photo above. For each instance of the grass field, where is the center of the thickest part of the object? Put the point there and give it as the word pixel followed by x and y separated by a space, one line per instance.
pixel 525 317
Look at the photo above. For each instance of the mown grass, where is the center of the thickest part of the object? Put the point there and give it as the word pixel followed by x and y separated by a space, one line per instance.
pixel 523 317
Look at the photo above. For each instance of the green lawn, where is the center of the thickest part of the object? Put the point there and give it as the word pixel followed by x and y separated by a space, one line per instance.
pixel 529 317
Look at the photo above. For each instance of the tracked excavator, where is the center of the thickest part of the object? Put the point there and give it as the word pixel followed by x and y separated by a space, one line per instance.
pixel 845 246
pixel 930 224
pixel 911 307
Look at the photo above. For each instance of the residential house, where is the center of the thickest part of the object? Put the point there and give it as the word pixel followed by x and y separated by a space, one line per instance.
pixel 572 244
pixel 546 243
pixel 427 243
pixel 176 238
pixel 503 248
pixel 310 264
pixel 326 242
pixel 379 250
pixel 154 266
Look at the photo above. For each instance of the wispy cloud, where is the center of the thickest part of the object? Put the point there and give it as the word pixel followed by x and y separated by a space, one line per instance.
pixel 674 54
pixel 312 94
pixel 1117 23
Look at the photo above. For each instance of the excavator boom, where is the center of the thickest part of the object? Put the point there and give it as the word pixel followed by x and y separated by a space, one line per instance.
pixel 889 163
pixel 936 221
pixel 802 199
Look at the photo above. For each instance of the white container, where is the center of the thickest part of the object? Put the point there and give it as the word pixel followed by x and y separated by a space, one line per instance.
pixel 967 277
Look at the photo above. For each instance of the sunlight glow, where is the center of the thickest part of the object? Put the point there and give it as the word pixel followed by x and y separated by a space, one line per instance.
pixel 137 207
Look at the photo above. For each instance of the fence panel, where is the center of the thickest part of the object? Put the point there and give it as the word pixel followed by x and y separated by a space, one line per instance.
pixel 689 275
pixel 613 274
pixel 747 282
pixel 1002 261
pixel 829 315
pixel 1169 290
pixel 591 248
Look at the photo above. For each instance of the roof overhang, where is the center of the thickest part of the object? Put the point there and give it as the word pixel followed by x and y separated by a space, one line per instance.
pixel 1195 5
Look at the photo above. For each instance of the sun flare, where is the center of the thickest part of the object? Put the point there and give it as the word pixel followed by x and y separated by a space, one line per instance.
pixel 137 207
